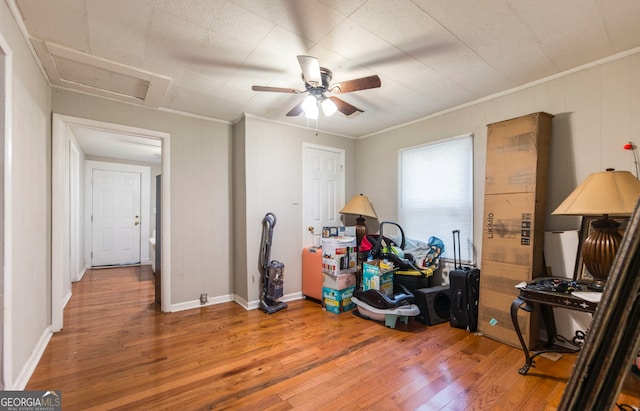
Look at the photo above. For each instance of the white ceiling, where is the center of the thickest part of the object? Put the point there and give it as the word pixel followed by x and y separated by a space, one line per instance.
pixel 106 144
pixel 203 56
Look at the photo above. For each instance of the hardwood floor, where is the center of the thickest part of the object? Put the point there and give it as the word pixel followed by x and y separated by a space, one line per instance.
pixel 118 351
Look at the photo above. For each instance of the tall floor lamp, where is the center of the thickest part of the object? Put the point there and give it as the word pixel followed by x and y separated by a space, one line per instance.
pixel 361 206
pixel 608 193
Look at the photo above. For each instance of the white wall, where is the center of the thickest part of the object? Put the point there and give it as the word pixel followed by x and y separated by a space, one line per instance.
pixel 5 63
pixel 30 199
pixel 273 173
pixel 596 110
pixel 200 186
pixel 202 205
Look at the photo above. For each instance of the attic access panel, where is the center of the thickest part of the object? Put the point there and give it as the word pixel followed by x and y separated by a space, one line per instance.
pixel 72 69
pixel 74 72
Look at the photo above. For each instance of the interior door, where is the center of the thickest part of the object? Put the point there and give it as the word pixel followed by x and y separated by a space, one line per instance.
pixel 323 190
pixel 115 218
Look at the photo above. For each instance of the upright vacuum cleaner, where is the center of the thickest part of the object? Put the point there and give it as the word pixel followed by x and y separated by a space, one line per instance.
pixel 272 271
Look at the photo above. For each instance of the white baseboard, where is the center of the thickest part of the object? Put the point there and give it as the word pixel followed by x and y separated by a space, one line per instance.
pixel 293 297
pixel 187 305
pixel 252 305
pixel 66 299
pixel 247 305
pixel 27 371
pixel 244 303
pixel 81 274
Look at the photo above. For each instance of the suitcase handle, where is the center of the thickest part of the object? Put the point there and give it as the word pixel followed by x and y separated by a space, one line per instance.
pixel 459 255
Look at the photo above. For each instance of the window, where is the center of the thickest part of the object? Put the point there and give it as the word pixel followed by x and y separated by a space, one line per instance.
pixel 436 193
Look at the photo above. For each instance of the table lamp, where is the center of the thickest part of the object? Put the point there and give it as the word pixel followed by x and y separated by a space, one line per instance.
pixel 603 194
pixel 361 206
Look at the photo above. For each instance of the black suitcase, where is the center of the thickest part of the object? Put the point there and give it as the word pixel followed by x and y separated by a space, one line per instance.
pixel 464 286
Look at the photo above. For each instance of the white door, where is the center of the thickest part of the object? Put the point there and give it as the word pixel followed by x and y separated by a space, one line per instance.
pixel 116 218
pixel 323 190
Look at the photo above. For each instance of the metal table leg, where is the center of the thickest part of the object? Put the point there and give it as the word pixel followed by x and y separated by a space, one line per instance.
pixel 517 304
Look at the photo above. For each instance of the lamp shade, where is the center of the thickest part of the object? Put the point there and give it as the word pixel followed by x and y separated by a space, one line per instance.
pixel 359 205
pixel 610 192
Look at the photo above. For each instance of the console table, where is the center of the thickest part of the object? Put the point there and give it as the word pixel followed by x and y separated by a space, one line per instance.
pixel 528 300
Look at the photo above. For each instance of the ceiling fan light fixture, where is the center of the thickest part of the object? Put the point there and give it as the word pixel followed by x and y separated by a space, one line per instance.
pixel 317 81
pixel 309 104
pixel 329 107
pixel 310 107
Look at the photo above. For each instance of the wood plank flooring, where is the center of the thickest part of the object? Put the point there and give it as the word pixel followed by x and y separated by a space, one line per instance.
pixel 117 351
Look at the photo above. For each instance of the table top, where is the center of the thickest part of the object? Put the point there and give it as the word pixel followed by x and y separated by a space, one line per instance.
pixel 556 297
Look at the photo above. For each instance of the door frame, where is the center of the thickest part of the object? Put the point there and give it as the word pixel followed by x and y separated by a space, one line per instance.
pixel 6 265
pixel 145 201
pixel 306 187
pixel 60 214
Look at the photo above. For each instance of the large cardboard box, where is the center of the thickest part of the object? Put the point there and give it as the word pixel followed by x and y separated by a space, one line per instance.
pixel 339 255
pixel 509 233
pixel 513 228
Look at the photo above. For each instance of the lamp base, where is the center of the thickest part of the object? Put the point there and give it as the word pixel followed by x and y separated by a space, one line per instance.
pixel 599 250
pixel 361 231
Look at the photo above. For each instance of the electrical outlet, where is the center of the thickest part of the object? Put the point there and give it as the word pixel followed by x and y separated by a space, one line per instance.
pixel 204 298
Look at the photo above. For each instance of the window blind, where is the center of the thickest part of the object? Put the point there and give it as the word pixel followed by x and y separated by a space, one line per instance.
pixel 436 193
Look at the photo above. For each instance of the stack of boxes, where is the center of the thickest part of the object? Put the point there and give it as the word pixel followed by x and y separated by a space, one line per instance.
pixel 339 261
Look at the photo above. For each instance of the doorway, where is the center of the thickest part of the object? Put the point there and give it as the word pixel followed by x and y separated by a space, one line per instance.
pixel 61 217
pixel 119 213
pixel 323 190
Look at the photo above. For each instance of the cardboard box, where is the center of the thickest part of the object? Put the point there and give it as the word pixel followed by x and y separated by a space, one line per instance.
pixel 337 301
pixel 513 228
pixel 339 281
pixel 510 233
pixel 376 275
pixel 339 231
pixel 347 231
pixel 517 154
pixel 337 295
pixel 329 232
pixel 338 307
pixel 339 255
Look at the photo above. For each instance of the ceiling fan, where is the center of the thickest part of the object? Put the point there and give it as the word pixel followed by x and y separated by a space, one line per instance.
pixel 317 82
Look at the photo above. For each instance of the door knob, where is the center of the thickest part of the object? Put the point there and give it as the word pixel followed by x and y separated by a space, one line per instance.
pixel 136 223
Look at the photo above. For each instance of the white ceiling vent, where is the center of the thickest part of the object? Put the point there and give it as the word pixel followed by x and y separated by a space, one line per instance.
pixel 70 68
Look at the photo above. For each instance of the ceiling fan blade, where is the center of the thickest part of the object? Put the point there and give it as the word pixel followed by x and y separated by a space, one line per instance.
pixel 296 110
pixel 276 89
pixel 344 107
pixel 356 84
pixel 310 70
